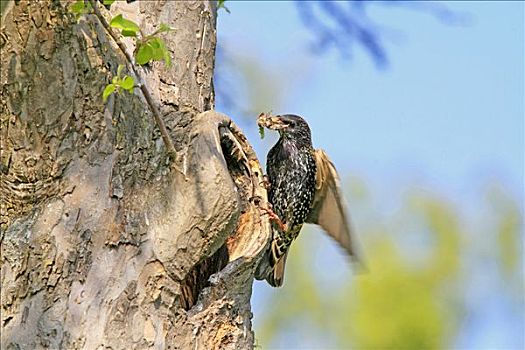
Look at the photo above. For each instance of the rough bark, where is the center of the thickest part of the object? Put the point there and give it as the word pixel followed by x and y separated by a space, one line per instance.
pixel 105 242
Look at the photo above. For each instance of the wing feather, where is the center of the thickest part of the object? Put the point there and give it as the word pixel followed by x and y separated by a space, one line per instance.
pixel 328 209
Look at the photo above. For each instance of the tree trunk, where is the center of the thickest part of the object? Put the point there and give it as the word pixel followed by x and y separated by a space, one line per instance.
pixel 107 243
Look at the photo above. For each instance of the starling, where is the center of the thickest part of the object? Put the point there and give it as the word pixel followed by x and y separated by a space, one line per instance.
pixel 303 187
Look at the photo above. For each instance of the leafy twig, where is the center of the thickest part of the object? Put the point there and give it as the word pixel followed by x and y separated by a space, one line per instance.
pixel 149 99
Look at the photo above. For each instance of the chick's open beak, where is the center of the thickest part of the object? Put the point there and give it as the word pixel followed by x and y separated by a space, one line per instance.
pixel 271 122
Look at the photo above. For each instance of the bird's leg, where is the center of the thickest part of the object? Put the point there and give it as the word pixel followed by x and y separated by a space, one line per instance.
pixel 269 211
pixel 273 217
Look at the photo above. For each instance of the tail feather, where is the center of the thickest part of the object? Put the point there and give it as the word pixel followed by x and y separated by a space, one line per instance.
pixel 277 255
pixel 271 267
pixel 276 276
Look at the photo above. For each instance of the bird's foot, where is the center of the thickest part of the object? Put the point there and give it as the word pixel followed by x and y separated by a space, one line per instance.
pixel 269 211
pixel 273 217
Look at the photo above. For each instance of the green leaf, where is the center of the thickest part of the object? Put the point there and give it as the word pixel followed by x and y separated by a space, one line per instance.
pixel 79 7
pixel 261 132
pixel 158 48
pixel 144 54
pixel 127 32
pixel 220 4
pixel 167 57
pixel 110 88
pixel 128 83
pixel 108 2
pixel 115 80
pixel 119 70
pixel 164 28
pixel 129 28
pixel 160 52
pixel 154 49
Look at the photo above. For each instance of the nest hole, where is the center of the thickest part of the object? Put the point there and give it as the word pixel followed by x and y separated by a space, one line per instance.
pixel 198 277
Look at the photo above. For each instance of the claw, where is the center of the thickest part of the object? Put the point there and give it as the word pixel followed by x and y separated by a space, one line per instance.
pixel 273 217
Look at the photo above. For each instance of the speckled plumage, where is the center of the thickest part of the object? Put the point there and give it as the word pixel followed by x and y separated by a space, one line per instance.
pixel 304 187
pixel 291 170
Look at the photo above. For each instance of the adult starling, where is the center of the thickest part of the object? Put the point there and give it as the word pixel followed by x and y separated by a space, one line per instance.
pixel 303 187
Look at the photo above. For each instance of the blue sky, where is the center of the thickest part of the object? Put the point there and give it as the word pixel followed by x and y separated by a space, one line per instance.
pixel 447 114
pixel 448 110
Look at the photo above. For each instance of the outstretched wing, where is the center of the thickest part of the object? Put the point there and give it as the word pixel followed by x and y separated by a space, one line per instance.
pixel 328 209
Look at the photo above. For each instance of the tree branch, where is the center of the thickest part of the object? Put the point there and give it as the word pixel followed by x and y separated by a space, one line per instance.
pixel 142 82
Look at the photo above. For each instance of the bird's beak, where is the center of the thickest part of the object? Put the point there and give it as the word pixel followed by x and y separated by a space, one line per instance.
pixel 271 122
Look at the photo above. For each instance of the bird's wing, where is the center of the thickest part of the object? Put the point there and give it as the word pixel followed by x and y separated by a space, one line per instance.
pixel 328 209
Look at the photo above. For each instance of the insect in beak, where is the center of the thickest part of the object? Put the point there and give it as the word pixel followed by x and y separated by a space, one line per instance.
pixel 271 122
